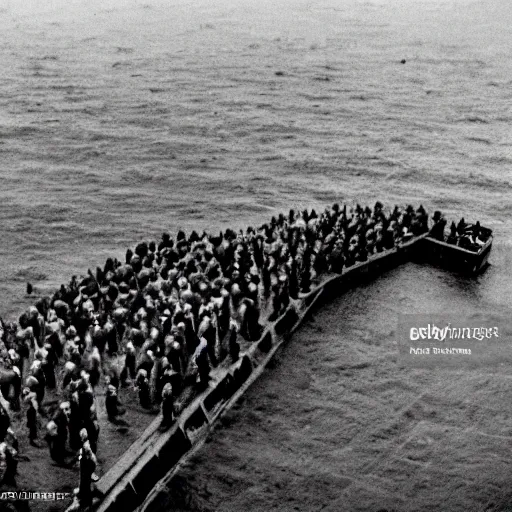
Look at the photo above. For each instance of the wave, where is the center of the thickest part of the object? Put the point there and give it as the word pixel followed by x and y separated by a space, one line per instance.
pixel 473 119
pixel 481 140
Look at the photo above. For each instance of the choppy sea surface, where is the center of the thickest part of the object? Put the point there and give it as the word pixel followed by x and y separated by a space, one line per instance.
pixel 122 119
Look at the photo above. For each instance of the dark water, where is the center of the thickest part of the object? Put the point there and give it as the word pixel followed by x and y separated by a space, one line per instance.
pixel 120 119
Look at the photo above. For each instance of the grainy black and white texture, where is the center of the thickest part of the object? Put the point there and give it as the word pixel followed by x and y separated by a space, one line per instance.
pixel 122 119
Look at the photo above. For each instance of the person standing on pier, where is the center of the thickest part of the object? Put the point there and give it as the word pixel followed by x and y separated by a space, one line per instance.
pixel 5 422
pixel 208 332
pixel 112 402
pixel 61 419
pixel 167 407
pixel 51 438
pixel 32 419
pixel 202 362
pixel 75 422
pixel 87 467
pixel 128 371
pixel 234 346
pixel 142 384
pixel 37 380
pixel 8 463
pixel 50 361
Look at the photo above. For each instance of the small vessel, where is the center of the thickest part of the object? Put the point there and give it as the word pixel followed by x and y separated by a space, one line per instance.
pixel 455 257
pixel 466 252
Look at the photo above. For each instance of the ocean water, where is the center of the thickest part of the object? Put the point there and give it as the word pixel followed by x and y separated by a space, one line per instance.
pixel 122 119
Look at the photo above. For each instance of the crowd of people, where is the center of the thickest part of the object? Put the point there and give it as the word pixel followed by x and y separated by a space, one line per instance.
pixel 170 312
